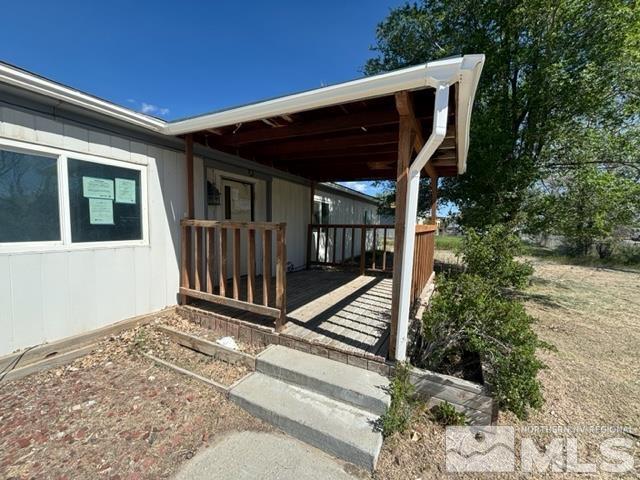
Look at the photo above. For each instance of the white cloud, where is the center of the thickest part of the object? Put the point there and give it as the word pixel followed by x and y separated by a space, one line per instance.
pixel 152 109
pixel 148 108
pixel 358 186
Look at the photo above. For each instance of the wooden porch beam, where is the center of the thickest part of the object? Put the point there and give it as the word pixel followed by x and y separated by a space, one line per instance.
pixel 404 105
pixel 405 142
pixel 360 139
pixel 312 127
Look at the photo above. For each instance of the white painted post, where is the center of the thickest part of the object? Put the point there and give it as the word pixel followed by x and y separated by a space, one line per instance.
pixel 438 134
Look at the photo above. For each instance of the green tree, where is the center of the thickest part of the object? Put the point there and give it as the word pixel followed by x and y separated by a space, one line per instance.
pixel 589 207
pixel 556 70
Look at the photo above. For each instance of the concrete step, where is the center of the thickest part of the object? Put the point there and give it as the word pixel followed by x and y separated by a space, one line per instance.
pixel 358 387
pixel 337 428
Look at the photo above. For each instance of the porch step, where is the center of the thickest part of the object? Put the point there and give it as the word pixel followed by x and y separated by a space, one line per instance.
pixel 337 428
pixel 358 387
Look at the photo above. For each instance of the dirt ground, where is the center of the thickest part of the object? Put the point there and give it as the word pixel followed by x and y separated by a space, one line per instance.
pixel 592 316
pixel 113 415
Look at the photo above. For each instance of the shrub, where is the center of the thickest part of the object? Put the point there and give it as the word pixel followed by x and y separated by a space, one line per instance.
pixel 398 416
pixel 469 314
pixel 446 414
pixel 491 256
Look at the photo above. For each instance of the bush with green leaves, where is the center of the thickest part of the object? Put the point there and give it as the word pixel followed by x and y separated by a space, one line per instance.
pixel 398 416
pixel 446 414
pixel 469 314
pixel 490 254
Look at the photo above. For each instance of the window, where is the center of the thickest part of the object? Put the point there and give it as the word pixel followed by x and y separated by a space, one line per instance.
pixel 238 200
pixel 104 201
pixel 321 212
pixel 29 205
pixel 48 200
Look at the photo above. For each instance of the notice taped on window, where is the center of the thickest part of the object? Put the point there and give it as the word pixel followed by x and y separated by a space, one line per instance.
pixel 100 211
pixel 125 191
pixel 93 187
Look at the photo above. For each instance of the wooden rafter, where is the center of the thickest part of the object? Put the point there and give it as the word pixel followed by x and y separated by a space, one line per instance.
pixel 404 105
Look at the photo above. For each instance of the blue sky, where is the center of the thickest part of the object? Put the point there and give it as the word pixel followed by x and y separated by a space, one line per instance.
pixel 175 59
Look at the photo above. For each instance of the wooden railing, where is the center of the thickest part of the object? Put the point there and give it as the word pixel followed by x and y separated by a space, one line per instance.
pixel 204 265
pixel 422 259
pixel 369 247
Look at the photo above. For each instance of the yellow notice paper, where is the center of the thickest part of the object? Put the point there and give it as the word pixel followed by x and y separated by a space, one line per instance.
pixel 97 187
pixel 100 211
pixel 125 191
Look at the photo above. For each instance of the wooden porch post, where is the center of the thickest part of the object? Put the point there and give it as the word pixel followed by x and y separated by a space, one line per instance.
pixel 312 194
pixel 405 147
pixel 185 257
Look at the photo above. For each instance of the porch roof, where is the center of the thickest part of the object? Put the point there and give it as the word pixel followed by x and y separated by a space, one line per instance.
pixel 347 131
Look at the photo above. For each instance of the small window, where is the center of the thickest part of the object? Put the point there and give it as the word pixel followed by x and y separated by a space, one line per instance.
pixel 104 201
pixel 321 212
pixel 29 207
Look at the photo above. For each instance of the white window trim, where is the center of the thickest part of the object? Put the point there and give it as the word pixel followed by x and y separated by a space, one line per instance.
pixel 65 244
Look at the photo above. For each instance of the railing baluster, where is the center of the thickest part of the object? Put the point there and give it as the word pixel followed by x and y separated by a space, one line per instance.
pixel 353 244
pixel 373 251
pixel 251 265
pixel 363 248
pixel 344 239
pixel 222 247
pixel 210 258
pixel 318 245
pixel 197 259
pixel 335 245
pixel 184 261
pixel 266 266
pixel 384 249
pixel 326 244
pixel 236 263
pixel 281 276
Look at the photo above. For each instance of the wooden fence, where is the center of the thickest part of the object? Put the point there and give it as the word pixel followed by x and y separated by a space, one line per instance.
pixel 204 265
pixel 370 247
pixel 422 259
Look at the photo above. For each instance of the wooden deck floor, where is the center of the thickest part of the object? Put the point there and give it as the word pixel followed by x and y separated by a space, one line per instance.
pixel 339 309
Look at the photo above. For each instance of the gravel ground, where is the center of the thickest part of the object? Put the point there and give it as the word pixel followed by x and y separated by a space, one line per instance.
pixel 592 316
pixel 110 415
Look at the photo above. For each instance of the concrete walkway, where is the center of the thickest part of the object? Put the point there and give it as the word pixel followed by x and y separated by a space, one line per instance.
pixel 260 455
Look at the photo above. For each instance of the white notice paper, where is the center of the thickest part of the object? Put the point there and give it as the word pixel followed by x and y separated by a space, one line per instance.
pixel 100 211
pixel 125 191
pixel 97 187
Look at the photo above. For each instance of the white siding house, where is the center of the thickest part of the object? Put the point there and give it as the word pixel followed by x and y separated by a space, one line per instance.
pixel 51 290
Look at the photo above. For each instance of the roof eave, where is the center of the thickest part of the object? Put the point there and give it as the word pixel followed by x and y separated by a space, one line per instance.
pixel 420 76
pixel 33 83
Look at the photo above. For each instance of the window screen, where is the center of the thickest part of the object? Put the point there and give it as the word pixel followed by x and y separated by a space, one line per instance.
pixel 29 210
pixel 105 202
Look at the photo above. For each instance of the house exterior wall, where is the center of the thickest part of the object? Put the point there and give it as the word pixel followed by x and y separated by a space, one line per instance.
pixel 53 293
pixel 50 293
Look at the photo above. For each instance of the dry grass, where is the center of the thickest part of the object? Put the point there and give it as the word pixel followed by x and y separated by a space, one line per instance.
pixel 592 316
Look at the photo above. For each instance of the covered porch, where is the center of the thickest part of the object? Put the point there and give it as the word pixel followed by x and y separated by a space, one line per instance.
pixel 361 281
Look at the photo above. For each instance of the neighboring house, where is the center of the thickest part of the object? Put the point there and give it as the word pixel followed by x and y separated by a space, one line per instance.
pixel 93 197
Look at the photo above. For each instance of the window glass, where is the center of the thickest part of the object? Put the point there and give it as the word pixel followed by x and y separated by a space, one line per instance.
pixel 104 201
pixel 321 212
pixel 238 201
pixel 29 210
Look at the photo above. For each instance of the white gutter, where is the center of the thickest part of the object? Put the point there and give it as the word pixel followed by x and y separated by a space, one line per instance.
pixel 438 134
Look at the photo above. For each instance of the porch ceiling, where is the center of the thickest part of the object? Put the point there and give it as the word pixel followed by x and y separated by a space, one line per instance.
pixel 348 141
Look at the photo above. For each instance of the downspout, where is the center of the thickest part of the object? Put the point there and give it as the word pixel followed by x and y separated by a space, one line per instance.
pixel 438 134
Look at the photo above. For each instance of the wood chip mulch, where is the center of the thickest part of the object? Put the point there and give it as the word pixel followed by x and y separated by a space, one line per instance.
pixel 112 414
